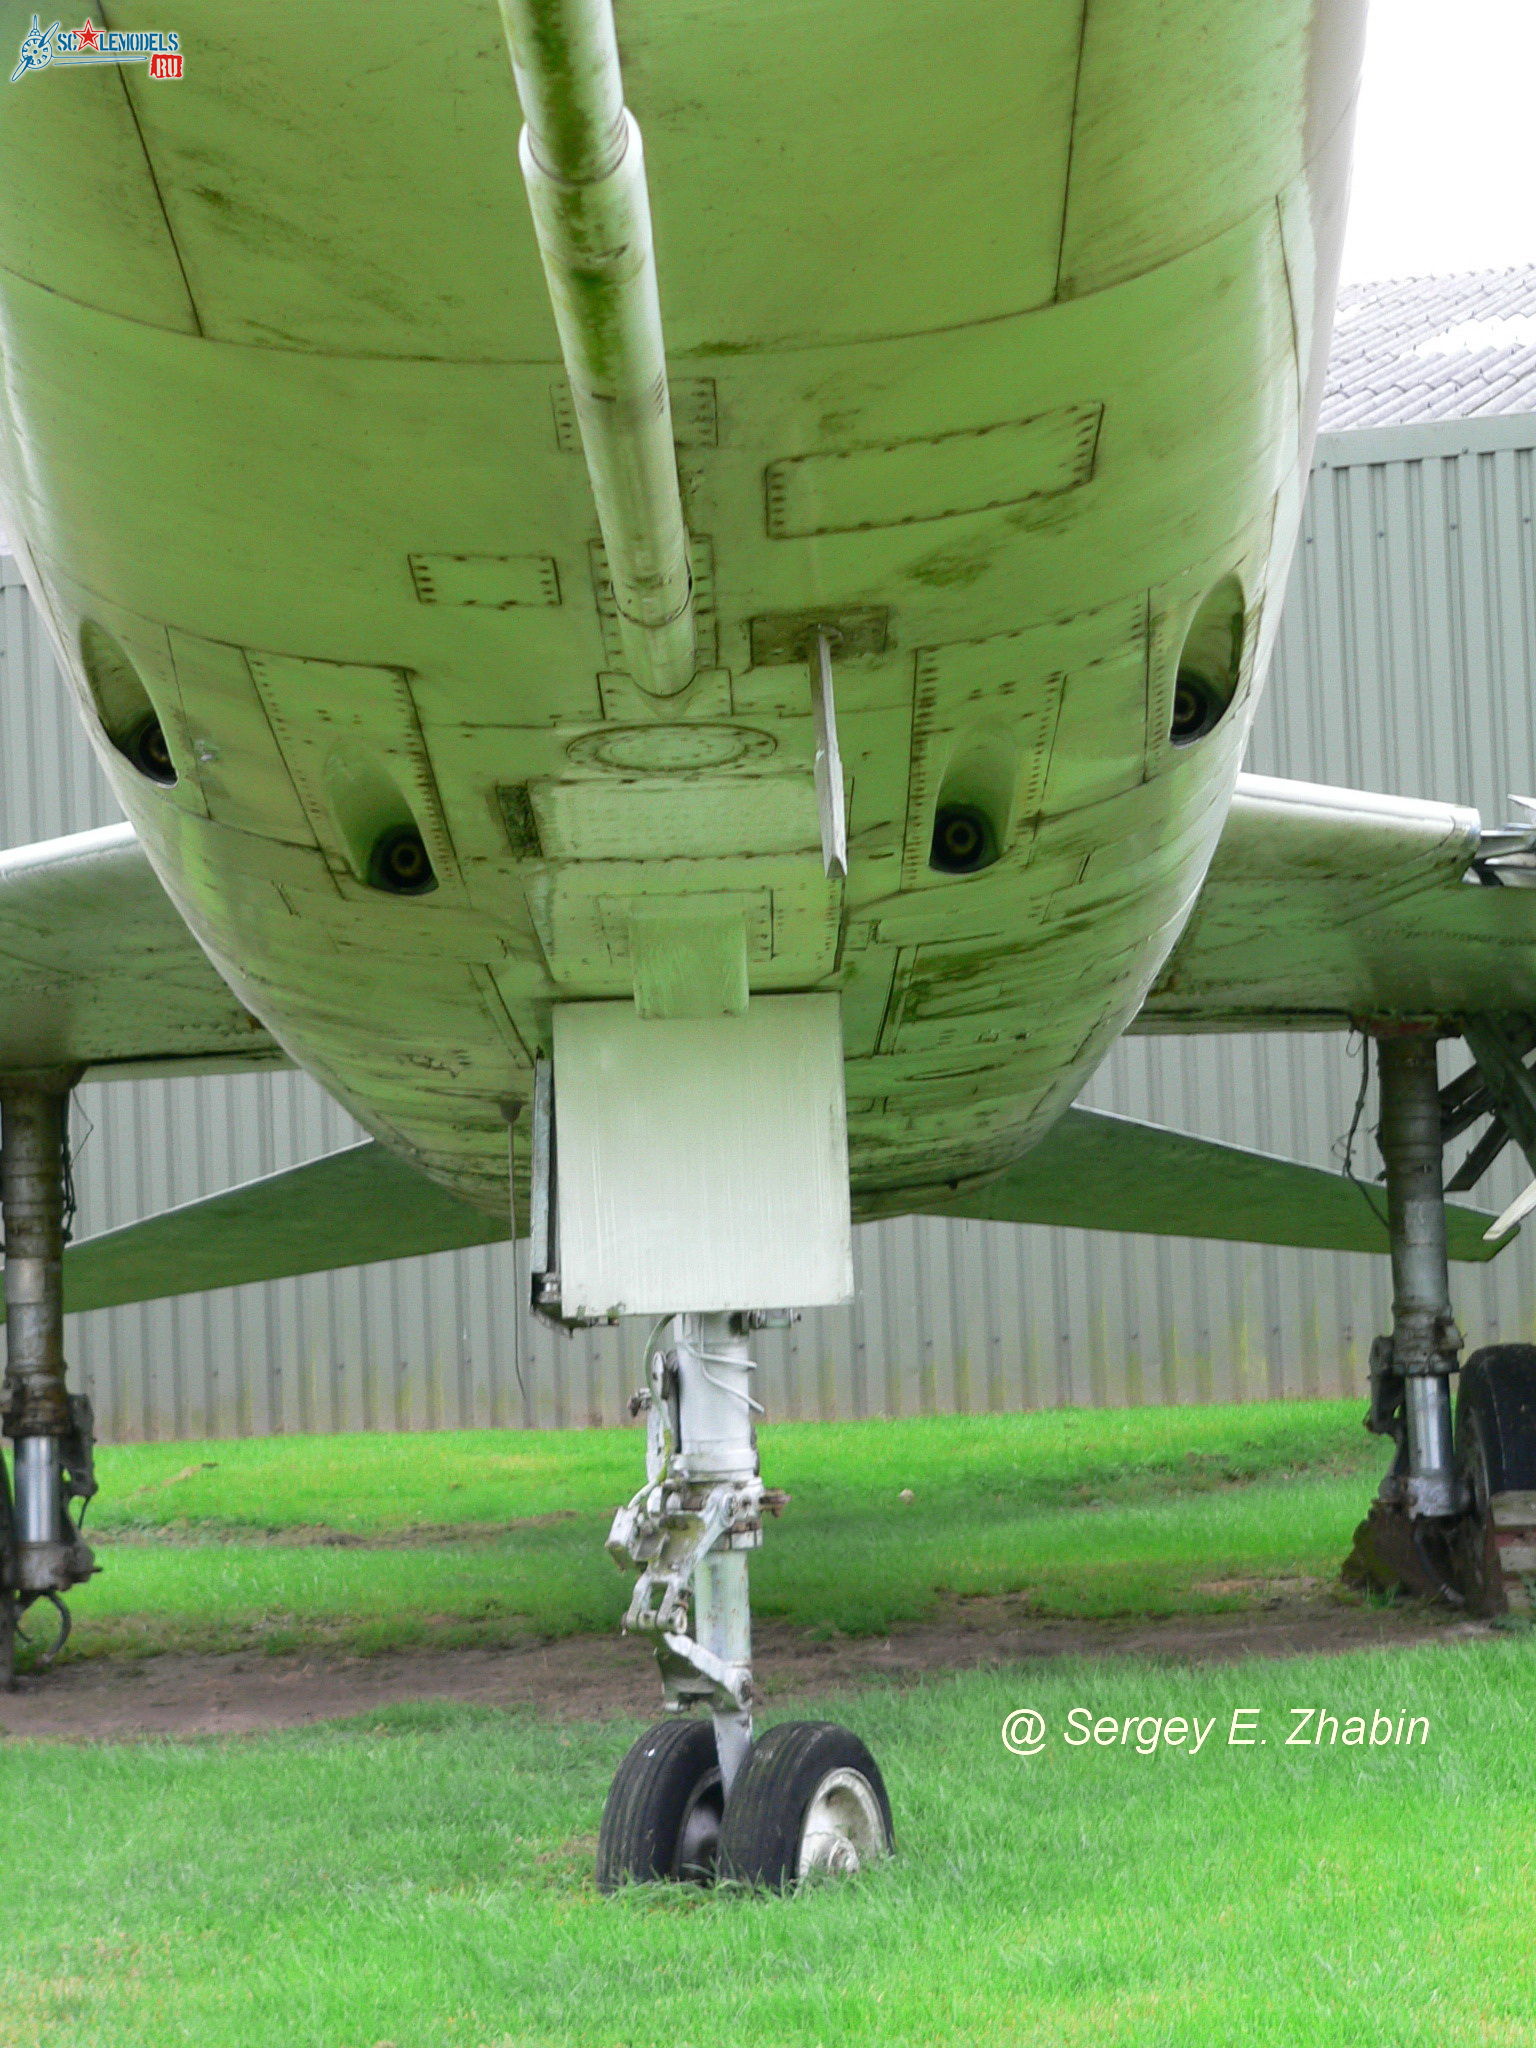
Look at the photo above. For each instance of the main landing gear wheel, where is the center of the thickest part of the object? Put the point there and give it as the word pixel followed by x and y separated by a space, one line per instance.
pixel 662 1819
pixel 808 1800
pixel 1496 1454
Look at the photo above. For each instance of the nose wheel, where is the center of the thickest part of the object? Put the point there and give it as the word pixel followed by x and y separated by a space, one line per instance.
pixel 698 1798
pixel 809 1801
pixel 662 1820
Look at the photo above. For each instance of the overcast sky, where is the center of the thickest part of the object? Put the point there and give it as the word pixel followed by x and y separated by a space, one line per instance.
pixel 1445 169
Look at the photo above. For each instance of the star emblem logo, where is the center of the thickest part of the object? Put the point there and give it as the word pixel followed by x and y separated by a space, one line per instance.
pixel 88 37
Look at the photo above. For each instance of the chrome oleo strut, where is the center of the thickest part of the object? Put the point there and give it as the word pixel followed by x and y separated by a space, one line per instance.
pixel 691 1525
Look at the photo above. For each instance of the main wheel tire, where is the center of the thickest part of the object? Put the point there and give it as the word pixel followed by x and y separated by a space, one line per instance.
pixel 809 1799
pixel 1496 1454
pixel 661 1822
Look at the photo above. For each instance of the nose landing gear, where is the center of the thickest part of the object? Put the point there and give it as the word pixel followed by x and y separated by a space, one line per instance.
pixel 696 1800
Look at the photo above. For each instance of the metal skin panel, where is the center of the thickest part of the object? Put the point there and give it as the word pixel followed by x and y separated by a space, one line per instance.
pixel 975 469
pixel 370 383
pixel 701 1159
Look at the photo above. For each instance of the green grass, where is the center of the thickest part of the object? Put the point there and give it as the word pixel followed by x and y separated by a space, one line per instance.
pixel 423 1878
pixel 1082 1512
pixel 371 1485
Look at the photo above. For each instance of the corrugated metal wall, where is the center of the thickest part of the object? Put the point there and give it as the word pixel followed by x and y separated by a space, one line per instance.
pixel 1405 663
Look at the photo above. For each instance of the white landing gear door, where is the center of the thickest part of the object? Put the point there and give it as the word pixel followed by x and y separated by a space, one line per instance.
pixel 703 1161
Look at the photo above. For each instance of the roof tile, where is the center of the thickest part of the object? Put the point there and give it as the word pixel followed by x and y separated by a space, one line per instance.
pixel 1430 348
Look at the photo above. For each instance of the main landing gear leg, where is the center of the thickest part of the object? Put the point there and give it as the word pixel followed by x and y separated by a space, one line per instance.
pixel 1456 1517
pixel 1410 1539
pixel 41 1552
pixel 697 1799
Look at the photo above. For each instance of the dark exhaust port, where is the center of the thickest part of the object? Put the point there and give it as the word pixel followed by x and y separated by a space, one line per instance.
pixel 963 840
pixel 400 864
pixel 1197 708
pixel 145 747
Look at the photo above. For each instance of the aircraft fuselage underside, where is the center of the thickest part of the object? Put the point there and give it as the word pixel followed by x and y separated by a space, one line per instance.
pixel 1011 401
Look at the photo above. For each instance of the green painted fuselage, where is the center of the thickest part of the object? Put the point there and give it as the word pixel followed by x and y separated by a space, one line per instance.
pixel 995 333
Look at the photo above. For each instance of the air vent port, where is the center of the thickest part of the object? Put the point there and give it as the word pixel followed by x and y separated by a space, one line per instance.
pixel 1210 662
pixel 124 706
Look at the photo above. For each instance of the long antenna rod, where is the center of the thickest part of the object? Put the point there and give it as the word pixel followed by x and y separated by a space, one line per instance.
pixel 585 171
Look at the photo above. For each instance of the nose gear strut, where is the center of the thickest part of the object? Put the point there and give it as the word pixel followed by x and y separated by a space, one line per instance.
pixel 808 1797
pixel 691 1525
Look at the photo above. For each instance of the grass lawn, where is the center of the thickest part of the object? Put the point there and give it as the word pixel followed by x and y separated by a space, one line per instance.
pixel 424 1879
pixel 486 1536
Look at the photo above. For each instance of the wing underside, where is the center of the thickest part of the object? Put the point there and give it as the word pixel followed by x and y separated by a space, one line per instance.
pixel 98 973
pixel 1100 1172
pixel 1326 907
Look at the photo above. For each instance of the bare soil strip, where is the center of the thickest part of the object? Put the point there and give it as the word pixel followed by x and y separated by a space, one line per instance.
pixel 324 1536
pixel 598 1677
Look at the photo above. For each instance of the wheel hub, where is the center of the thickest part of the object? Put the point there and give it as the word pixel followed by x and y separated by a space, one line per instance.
pixel 698 1839
pixel 844 1829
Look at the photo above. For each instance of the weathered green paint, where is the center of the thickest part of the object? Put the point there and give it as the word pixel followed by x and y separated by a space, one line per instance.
pixel 1329 906
pixel 307 343
pixel 347 1209
pixel 1094 1171
pixel 98 972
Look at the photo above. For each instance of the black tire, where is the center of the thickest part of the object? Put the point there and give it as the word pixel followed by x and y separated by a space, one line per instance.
pixel 782 1786
pixel 1497 1398
pixel 661 1822
pixel 1496 1454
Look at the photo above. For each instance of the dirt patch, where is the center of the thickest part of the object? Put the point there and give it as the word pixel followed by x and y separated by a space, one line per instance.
pixel 322 1536
pixel 597 1677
